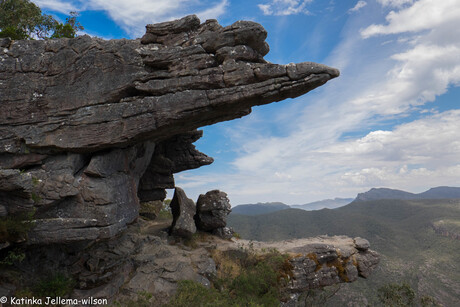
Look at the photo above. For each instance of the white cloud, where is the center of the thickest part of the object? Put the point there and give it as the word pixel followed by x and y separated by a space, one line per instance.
pixel 359 5
pixel 312 159
pixel 432 141
pixel 213 12
pixel 316 156
pixel 395 3
pixel 422 15
pixel 57 5
pixel 285 7
pixel 133 15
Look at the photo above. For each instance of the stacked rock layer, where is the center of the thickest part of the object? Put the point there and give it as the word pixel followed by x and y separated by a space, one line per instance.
pixel 88 127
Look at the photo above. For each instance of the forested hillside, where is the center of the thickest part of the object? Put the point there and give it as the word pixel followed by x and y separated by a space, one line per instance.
pixel 400 230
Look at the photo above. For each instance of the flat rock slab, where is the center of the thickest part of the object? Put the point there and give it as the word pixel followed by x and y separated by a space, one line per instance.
pixel 323 261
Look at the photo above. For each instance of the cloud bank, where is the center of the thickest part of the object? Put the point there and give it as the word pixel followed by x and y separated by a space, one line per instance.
pixel 133 15
pixel 359 5
pixel 392 74
pixel 285 7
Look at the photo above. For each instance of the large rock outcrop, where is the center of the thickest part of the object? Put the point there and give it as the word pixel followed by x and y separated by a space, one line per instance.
pixel 88 127
pixel 144 259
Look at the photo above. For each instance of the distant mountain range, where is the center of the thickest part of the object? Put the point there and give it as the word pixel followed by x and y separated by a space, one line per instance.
pixel 433 193
pixel 264 208
pixel 372 194
pixel 322 204
pixel 259 208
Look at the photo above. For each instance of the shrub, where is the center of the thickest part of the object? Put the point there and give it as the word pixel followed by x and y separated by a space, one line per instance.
pixel 165 211
pixel 244 278
pixel 14 227
pixel 13 257
pixel 54 285
pixel 236 235
pixel 396 295
pixel 143 300
pixel 190 293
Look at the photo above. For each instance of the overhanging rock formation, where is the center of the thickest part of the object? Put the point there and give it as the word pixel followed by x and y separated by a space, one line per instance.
pixel 88 126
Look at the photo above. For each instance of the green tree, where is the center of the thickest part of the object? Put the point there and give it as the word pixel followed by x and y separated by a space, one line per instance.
pixel 69 29
pixel 22 19
pixel 396 295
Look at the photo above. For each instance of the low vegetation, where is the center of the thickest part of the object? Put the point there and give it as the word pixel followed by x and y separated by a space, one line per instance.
pixel 156 210
pixel 244 278
pixel 14 227
pixel 12 257
pixel 54 285
pixel 165 211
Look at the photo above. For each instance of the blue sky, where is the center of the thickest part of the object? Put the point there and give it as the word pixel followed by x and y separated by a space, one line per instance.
pixel 392 119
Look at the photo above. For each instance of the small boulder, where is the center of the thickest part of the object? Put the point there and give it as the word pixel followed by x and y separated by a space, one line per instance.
pixel 224 232
pixel 212 210
pixel 361 244
pixel 183 209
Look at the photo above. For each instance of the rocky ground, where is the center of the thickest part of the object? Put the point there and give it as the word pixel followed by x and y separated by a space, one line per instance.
pixel 161 261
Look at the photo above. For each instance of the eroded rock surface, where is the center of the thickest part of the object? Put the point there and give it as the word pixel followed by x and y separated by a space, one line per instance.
pixel 323 261
pixel 183 210
pixel 212 209
pixel 88 127
pixel 144 259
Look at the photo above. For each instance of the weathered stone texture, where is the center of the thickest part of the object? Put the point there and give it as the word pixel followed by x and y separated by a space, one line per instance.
pixel 325 261
pixel 212 209
pixel 183 210
pixel 90 126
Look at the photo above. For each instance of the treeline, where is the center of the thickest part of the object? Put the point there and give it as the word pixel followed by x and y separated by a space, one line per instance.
pixel 22 19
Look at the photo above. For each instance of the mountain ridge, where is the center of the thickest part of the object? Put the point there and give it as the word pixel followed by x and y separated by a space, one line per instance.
pixel 330 203
pixel 441 192
pixel 259 208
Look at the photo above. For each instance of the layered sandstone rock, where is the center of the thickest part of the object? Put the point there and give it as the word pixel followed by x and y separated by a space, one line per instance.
pixel 144 259
pixel 88 127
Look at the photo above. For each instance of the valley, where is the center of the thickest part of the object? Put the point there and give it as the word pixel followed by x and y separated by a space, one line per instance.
pixel 400 230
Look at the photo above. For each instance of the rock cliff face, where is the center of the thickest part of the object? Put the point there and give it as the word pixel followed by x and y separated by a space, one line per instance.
pixel 90 127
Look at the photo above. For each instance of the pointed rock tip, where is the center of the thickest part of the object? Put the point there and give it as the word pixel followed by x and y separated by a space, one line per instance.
pixel 304 69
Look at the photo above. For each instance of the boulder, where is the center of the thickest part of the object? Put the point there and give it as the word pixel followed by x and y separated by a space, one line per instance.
pixel 361 244
pixel 183 209
pixel 212 210
pixel 223 232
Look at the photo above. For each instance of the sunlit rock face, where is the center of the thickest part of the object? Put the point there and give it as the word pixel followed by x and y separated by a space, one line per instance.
pixel 89 127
